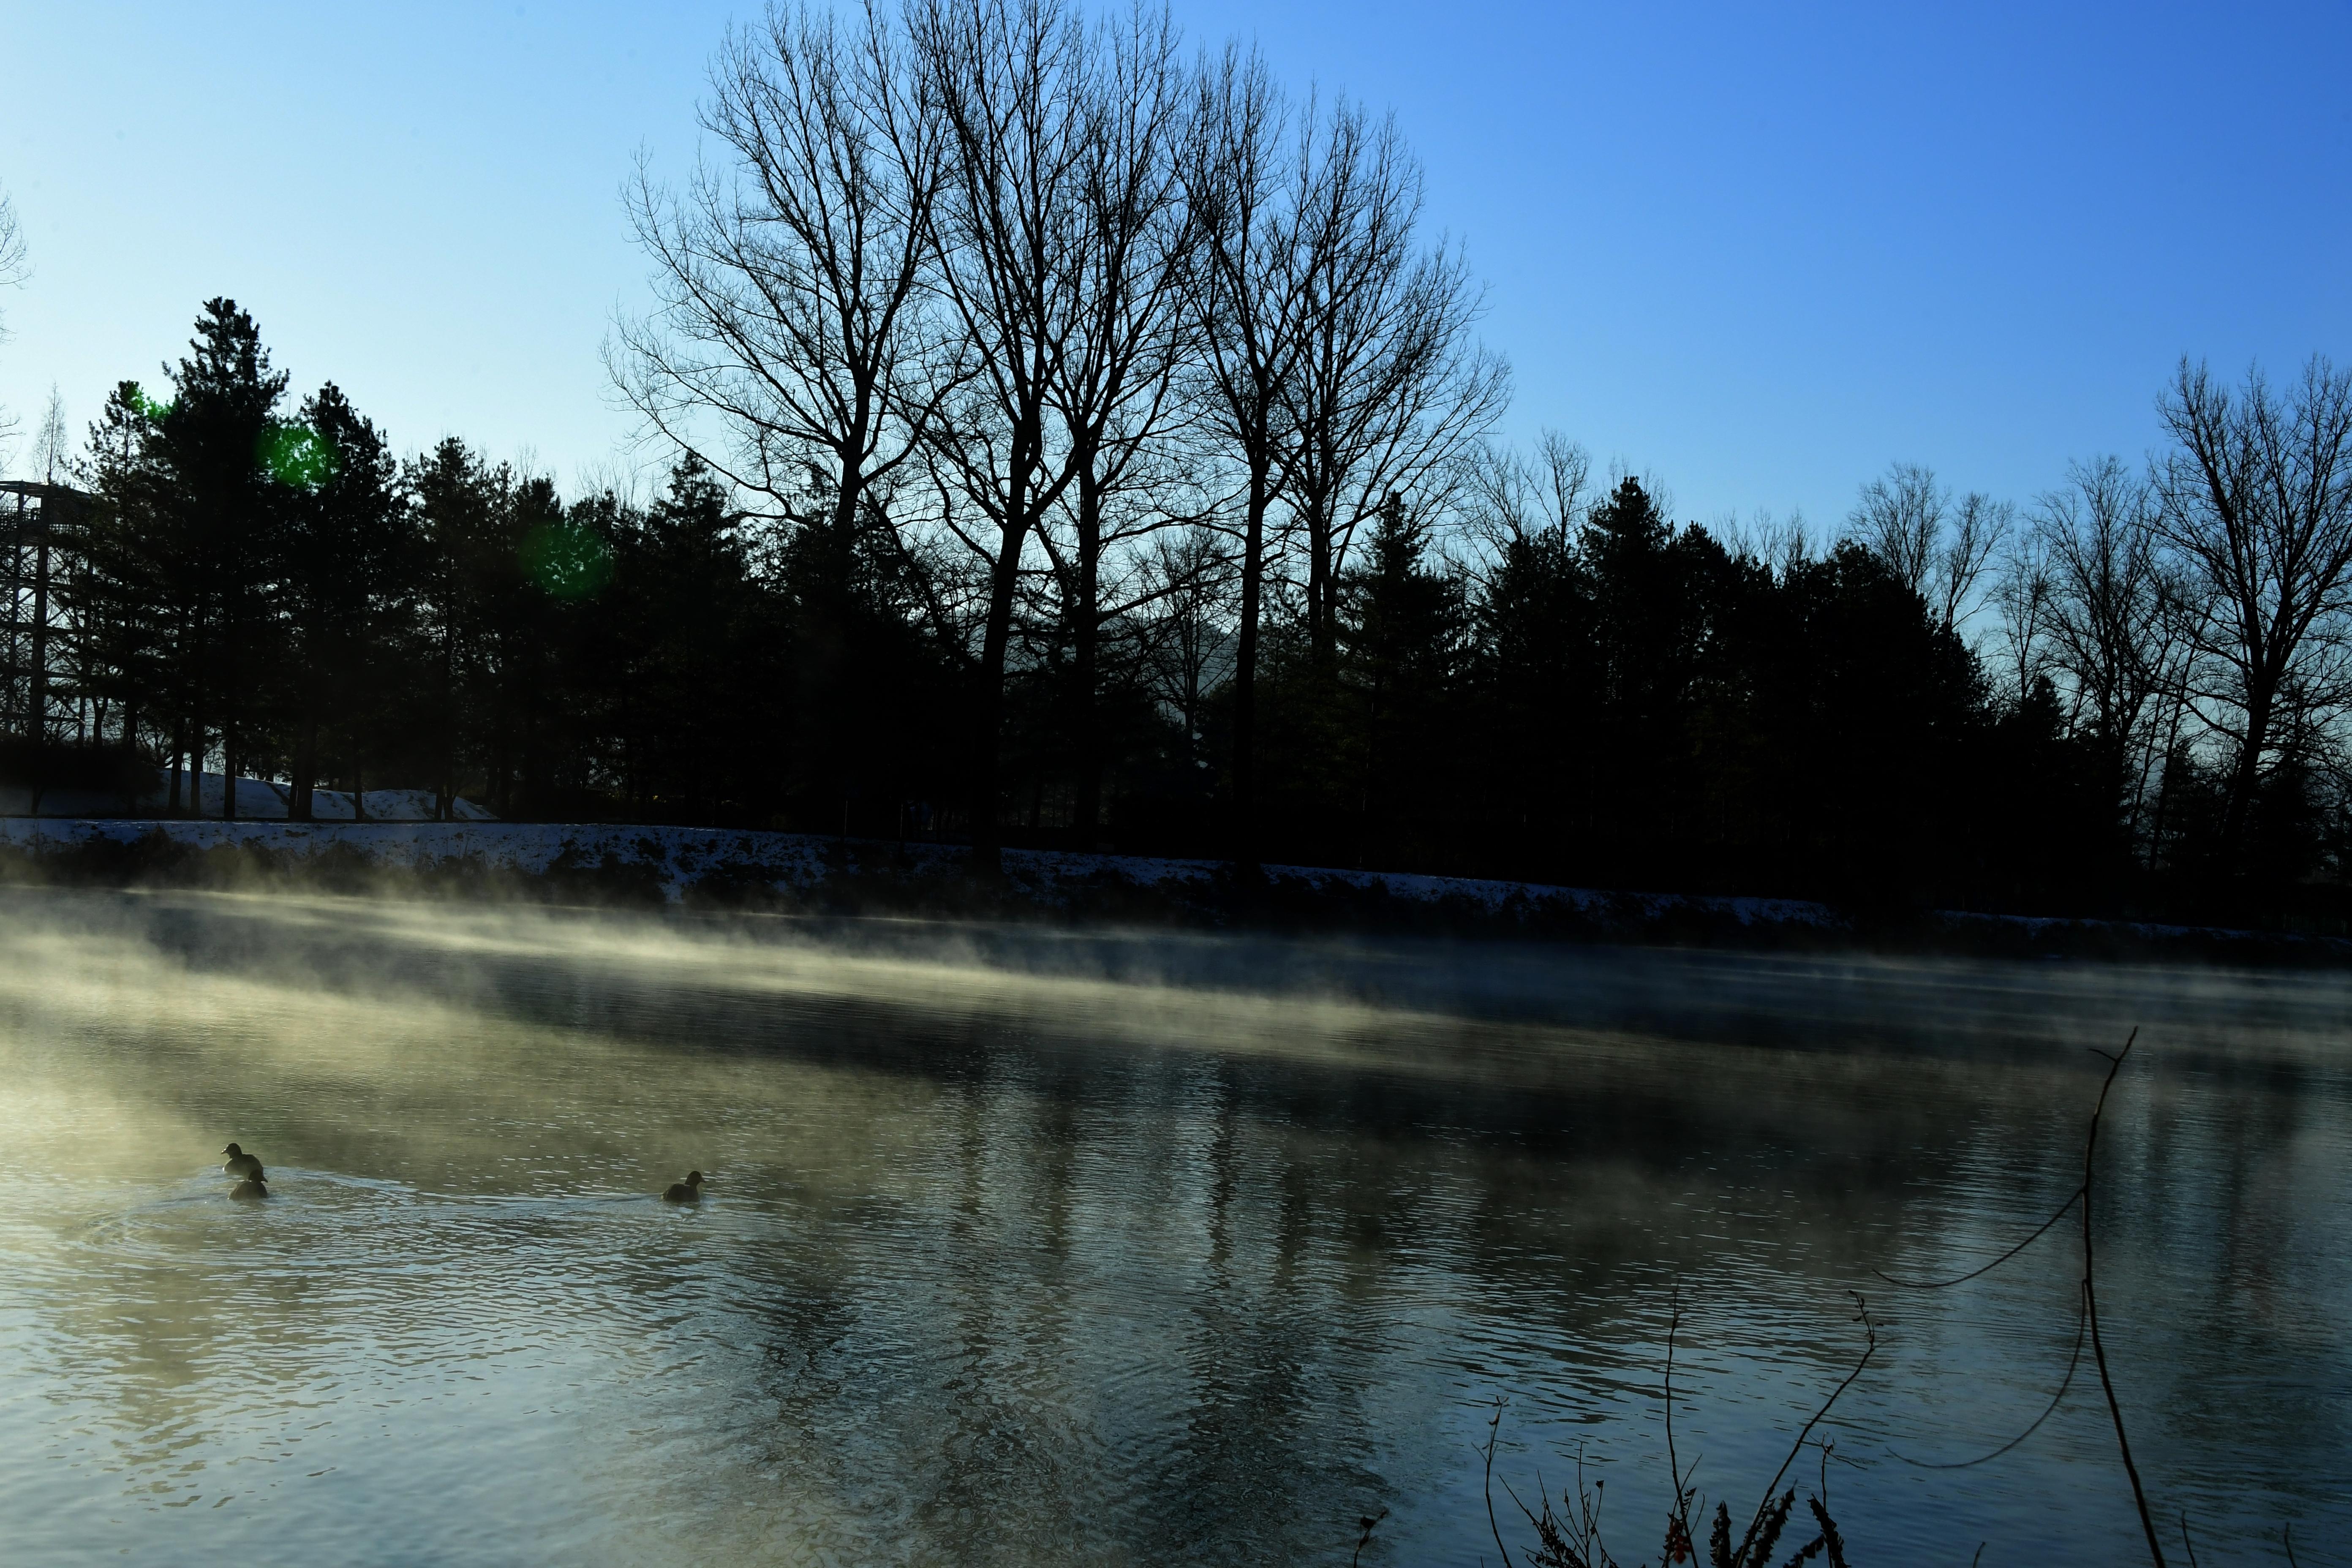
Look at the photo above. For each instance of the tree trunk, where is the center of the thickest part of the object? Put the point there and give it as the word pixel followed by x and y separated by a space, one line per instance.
pixel 987 840
pixel 232 698
pixel 199 755
pixel 2261 706
pixel 1320 640
pixel 1087 638
pixel 130 745
pixel 502 752
pixel 306 764
pixel 446 786
pixel 532 792
pixel 2164 784
pixel 195 717
pixel 1244 804
pixel 988 709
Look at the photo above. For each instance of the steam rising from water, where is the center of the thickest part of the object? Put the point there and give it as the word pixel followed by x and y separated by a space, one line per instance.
pixel 1037 1247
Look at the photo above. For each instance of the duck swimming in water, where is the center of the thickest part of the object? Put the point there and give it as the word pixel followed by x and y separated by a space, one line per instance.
pixel 688 1191
pixel 252 1187
pixel 239 1162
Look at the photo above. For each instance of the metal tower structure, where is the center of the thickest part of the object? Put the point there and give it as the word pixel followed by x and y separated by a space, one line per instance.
pixel 37 635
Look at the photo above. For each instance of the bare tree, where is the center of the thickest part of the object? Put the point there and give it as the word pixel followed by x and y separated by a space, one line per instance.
pixel 790 284
pixel 2255 501
pixel 1251 294
pixel 1389 388
pixel 1114 389
pixel 2021 593
pixel 2103 613
pixel 2177 684
pixel 15 265
pixel 1980 525
pixel 1187 641
pixel 13 270
pixel 52 443
pixel 1781 544
pixel 1899 518
pixel 1013 84
pixel 1509 497
pixel 1936 549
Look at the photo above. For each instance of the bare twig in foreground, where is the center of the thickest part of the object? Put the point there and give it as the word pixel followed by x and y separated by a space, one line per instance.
pixel 2091 1304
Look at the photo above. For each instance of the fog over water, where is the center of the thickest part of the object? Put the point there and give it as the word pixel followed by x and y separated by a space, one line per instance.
pixel 1026 1248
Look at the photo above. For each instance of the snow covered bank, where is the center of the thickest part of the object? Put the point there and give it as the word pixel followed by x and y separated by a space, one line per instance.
pixel 680 862
pixel 675 862
pixel 733 868
pixel 258 800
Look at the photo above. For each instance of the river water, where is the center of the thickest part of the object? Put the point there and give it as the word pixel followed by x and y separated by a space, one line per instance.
pixel 1129 1248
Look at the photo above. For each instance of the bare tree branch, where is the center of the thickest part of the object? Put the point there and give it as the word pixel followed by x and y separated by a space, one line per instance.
pixel 2255 502
pixel 791 310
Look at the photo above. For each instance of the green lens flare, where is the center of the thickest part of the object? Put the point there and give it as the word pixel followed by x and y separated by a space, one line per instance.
pixel 147 408
pixel 298 456
pixel 567 561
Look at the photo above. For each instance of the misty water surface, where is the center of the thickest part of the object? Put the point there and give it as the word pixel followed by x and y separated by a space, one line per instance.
pixel 1025 1248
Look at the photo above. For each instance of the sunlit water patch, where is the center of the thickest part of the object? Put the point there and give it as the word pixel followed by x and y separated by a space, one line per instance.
pixel 1040 1249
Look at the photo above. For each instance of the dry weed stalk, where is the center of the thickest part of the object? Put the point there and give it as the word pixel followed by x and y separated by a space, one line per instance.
pixel 1572 1538
pixel 2087 1317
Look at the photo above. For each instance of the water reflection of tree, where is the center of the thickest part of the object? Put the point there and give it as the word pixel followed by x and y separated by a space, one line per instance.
pixel 1020 1276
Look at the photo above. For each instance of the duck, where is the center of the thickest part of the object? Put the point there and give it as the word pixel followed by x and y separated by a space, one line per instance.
pixel 688 1191
pixel 240 1164
pixel 252 1187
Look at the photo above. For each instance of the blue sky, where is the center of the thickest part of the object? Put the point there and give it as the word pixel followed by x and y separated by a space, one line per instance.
pixel 1760 251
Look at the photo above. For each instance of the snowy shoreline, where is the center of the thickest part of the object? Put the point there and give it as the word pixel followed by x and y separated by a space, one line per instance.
pixel 739 867
pixel 680 860
pixel 258 800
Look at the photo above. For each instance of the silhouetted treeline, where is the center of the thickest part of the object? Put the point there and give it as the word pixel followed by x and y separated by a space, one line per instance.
pixel 1525 684
pixel 272 591
pixel 1078 443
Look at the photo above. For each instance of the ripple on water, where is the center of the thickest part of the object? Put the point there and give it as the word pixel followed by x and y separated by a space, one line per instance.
pixel 1026 1293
